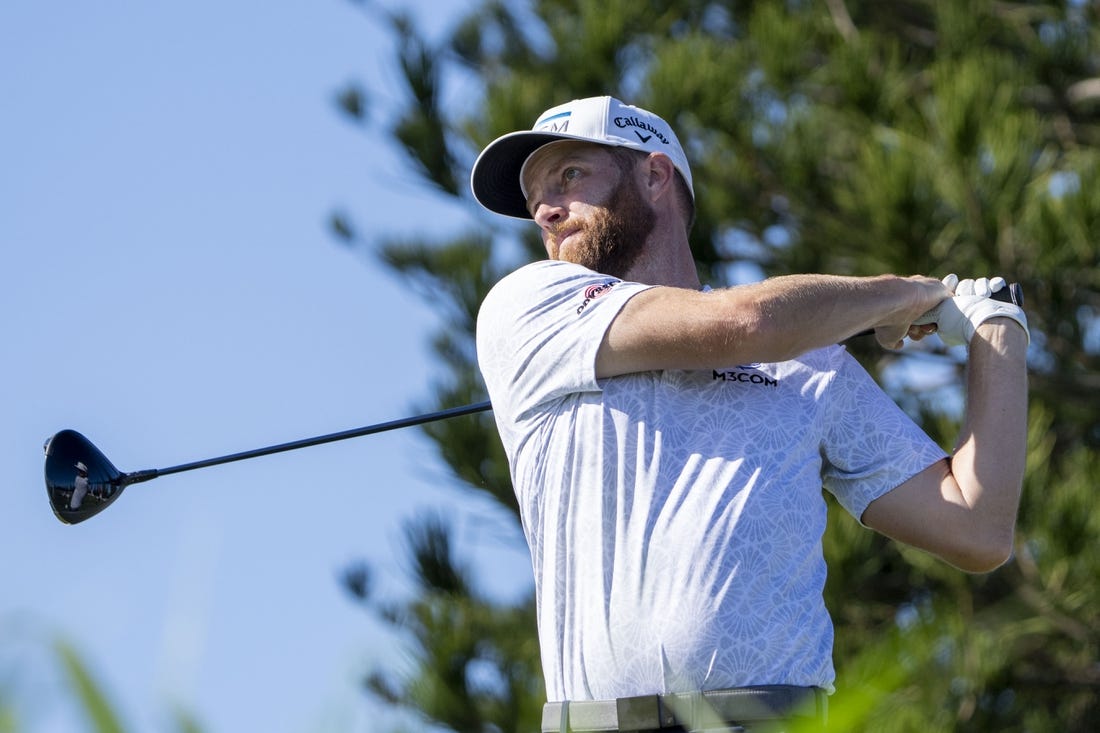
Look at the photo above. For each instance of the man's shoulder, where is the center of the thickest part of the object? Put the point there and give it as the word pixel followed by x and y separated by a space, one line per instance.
pixel 548 279
pixel 551 271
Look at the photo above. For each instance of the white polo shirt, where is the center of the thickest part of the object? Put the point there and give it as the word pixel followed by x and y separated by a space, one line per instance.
pixel 675 517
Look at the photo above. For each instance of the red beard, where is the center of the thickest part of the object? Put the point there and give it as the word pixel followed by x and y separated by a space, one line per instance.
pixel 612 240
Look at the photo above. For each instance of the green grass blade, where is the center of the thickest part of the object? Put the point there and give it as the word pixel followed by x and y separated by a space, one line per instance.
pixel 85 689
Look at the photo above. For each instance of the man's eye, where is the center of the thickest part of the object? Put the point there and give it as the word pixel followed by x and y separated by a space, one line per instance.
pixel 570 174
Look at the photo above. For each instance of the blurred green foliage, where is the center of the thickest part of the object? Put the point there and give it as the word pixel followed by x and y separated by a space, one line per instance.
pixel 45 681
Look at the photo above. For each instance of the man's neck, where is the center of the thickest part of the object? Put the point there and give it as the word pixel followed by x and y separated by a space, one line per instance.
pixel 666 260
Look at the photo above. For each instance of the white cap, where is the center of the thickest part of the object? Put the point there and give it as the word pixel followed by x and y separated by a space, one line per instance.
pixel 495 178
pixel 81 467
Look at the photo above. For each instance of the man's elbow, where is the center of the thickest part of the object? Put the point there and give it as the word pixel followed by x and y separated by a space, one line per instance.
pixel 984 553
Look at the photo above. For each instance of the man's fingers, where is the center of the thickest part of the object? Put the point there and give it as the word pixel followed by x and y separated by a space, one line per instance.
pixel 972 286
pixel 982 286
pixel 891 337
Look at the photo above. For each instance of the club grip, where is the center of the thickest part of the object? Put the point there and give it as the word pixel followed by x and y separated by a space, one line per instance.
pixel 1011 293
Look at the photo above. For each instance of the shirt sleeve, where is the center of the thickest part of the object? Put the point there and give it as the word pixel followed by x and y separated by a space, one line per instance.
pixel 539 330
pixel 871 446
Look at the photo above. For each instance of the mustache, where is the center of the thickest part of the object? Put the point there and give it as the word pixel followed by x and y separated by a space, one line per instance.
pixel 557 231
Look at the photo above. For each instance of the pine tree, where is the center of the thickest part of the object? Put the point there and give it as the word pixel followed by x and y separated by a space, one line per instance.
pixel 841 137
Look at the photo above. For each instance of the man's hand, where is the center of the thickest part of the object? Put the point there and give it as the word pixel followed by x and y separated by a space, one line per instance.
pixel 957 318
pixel 928 295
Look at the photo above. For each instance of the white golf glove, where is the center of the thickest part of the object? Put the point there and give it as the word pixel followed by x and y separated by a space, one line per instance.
pixel 958 318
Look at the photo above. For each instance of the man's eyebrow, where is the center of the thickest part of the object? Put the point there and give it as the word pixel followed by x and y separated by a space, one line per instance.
pixel 572 158
pixel 553 167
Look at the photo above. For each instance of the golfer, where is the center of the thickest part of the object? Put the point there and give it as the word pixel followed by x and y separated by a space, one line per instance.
pixel 669 443
pixel 80 486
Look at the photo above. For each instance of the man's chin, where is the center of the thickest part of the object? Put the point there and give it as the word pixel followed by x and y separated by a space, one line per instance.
pixel 578 255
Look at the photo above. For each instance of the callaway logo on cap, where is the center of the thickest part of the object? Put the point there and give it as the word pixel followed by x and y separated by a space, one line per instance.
pixel 497 174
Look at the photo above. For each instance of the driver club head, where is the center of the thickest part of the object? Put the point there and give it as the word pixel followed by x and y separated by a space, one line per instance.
pixel 80 481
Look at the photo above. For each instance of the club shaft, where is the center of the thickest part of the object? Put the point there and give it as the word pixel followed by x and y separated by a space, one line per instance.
pixel 404 422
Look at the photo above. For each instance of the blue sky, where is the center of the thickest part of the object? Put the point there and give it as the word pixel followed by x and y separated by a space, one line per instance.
pixel 170 290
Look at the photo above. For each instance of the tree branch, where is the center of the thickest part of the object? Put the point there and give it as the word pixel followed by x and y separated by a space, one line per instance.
pixel 842 20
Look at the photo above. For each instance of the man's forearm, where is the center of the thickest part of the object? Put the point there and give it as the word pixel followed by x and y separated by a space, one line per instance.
pixel 799 313
pixel 988 464
pixel 778 319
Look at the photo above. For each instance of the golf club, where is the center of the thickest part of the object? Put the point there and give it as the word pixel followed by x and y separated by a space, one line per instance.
pixel 81 481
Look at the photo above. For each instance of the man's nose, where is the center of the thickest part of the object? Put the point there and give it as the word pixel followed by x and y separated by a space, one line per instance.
pixel 547 214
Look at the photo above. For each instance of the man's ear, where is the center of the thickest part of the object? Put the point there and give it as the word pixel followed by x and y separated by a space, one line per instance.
pixel 660 175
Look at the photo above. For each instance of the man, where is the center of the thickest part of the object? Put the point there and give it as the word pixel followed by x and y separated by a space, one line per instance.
pixel 80 486
pixel 668 443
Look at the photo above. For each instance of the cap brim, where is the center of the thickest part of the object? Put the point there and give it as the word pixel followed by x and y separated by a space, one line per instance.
pixel 495 176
